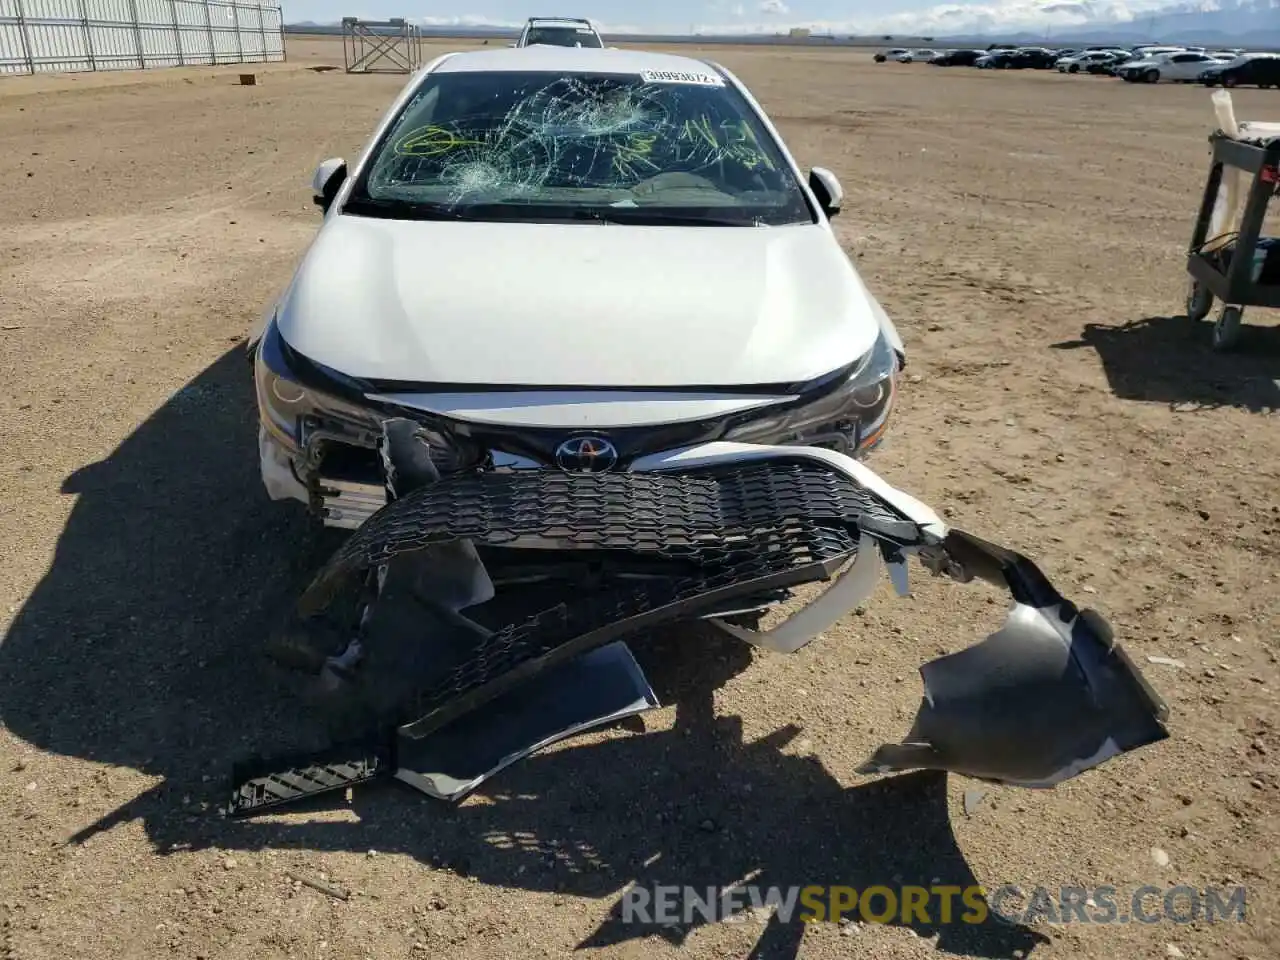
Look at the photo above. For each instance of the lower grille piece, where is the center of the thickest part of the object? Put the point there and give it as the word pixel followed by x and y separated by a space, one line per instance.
pixel 263 784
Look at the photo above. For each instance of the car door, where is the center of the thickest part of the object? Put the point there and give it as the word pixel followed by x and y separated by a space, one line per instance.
pixel 1184 66
pixel 1267 71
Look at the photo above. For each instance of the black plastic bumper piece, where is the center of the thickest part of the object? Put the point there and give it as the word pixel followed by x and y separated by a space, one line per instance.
pixel 729 535
pixel 1043 699
pixel 515 654
pixel 260 785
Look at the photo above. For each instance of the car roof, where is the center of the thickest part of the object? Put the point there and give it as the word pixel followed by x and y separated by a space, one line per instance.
pixel 569 60
pixel 559 22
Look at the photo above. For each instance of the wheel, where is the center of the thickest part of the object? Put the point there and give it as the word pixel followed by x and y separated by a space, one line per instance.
pixel 1151 76
pixel 1226 331
pixel 1199 302
pixel 1074 68
pixel 1229 81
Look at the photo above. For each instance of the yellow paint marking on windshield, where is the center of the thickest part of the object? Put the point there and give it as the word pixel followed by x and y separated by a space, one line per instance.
pixel 630 156
pixel 699 127
pixel 744 148
pixel 731 140
pixel 432 142
pixel 631 162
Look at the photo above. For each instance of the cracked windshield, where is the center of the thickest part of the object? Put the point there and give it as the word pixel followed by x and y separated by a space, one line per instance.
pixel 645 148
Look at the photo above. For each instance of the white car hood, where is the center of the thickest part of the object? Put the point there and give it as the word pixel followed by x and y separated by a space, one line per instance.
pixel 576 305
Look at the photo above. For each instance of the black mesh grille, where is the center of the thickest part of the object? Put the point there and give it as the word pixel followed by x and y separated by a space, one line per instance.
pixel 509 656
pixel 709 516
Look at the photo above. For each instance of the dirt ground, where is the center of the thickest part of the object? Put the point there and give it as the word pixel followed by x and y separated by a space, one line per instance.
pixel 1026 231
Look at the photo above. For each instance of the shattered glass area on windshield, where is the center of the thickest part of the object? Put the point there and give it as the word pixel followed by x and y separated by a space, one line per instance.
pixel 678 140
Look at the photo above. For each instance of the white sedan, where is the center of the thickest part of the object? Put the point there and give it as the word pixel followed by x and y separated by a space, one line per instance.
pixel 1184 67
pixel 1081 61
pixel 576 320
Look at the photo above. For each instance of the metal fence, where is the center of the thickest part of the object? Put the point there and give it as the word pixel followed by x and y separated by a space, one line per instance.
pixel 54 36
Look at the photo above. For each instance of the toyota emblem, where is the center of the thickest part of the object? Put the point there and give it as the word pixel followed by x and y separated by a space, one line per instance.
pixel 586 455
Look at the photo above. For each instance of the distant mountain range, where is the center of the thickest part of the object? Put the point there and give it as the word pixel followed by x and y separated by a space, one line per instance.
pixel 1251 23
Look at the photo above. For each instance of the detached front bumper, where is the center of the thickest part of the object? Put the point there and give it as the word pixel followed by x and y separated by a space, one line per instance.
pixel 1043 699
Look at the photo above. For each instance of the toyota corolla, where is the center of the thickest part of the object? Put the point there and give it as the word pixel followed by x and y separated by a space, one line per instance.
pixel 576 353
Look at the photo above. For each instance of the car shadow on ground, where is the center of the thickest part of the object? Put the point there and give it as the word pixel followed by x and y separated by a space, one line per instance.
pixel 142 648
pixel 1170 360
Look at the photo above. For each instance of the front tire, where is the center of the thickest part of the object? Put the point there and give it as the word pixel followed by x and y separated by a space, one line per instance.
pixel 1151 76
pixel 1226 331
pixel 1199 301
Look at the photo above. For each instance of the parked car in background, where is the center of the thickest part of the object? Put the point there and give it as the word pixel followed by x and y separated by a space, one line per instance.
pixel 917 56
pixel 958 58
pixel 1248 70
pixel 1152 51
pixel 893 54
pixel 1082 60
pixel 1110 66
pixel 1185 67
pixel 1001 60
pixel 559 32
pixel 1037 58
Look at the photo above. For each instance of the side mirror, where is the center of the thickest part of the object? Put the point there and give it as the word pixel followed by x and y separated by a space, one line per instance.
pixel 328 180
pixel 827 189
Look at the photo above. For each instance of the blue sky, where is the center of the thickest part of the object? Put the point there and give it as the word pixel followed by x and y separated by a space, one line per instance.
pixel 861 16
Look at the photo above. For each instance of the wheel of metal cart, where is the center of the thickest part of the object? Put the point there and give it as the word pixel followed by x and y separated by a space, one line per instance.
pixel 1226 331
pixel 1199 302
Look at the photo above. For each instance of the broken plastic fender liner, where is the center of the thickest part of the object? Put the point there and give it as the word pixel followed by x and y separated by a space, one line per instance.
pixel 1041 700
pixel 851 588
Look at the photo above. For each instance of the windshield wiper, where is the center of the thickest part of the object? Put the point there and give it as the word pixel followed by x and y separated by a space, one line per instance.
pixel 639 216
pixel 402 209
pixel 512 212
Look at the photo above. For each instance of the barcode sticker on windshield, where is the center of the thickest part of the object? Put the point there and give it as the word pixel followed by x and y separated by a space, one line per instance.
pixel 681 76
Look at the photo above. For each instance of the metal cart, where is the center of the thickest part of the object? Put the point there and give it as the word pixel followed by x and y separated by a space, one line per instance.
pixel 1226 273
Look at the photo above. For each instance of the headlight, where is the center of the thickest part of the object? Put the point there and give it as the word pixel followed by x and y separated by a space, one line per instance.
pixel 306 407
pixel 850 418
pixel 289 407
